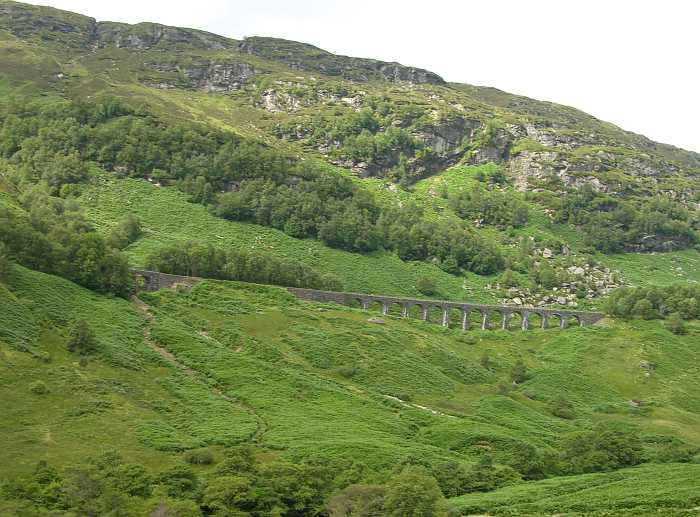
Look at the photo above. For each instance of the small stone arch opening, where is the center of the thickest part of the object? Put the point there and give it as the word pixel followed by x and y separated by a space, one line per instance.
pixel 355 303
pixel 395 309
pixel 455 318
pixel 495 319
pixel 375 306
pixel 554 321
pixel 572 320
pixel 435 314
pixel 534 320
pixel 415 311
pixel 474 319
pixel 515 321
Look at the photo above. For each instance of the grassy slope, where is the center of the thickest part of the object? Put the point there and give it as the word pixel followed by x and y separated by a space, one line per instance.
pixel 284 364
pixel 168 217
pixel 635 491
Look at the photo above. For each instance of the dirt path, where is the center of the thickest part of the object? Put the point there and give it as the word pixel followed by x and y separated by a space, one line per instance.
pixel 145 309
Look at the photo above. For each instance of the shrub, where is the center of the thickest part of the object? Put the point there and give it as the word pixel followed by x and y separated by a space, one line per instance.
pixel 426 285
pixel 519 373
pixel 81 339
pixel 347 371
pixel 675 324
pixel 39 388
pixel 644 309
pixel 610 446
pixel 199 457
pixel 562 408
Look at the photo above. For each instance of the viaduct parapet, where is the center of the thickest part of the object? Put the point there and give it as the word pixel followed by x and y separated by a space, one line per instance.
pixel 486 313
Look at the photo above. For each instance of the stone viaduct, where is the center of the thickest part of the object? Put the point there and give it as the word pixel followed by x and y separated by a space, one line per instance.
pixel 485 312
pixel 154 280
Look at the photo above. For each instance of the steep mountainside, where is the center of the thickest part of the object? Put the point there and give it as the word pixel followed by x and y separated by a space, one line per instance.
pixel 266 161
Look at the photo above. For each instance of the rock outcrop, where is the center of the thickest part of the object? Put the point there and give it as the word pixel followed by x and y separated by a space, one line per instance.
pixel 302 56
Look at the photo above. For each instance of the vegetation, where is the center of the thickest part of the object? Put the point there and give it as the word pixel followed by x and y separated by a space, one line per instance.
pixel 53 236
pixel 235 398
pixel 677 302
pixel 196 259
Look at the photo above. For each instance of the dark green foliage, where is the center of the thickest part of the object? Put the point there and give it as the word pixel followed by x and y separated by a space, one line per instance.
pixel 519 373
pixel 613 224
pixel 55 238
pixel 426 286
pixel 676 324
pixel 609 446
pixel 199 457
pixel 563 408
pixel 654 302
pixel 195 259
pixel 413 236
pixel 496 207
pixel 81 339
pixel 125 232
pixel 357 501
pixel 485 476
pixel 413 493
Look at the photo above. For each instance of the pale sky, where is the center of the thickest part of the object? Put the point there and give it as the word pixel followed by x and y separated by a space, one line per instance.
pixel 634 63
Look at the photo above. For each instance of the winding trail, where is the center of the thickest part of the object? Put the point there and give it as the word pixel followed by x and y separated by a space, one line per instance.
pixel 145 309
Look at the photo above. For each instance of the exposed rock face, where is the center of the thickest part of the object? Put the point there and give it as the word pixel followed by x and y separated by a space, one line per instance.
pixel 302 56
pixel 144 36
pixel 220 77
pixel 28 21
pixel 446 137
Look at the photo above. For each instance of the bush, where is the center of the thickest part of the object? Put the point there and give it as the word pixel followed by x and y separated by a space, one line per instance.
pixel 81 339
pixel 347 371
pixel 199 457
pixel 39 388
pixel 675 324
pixel 652 302
pixel 610 446
pixel 426 285
pixel 562 408
pixel 519 373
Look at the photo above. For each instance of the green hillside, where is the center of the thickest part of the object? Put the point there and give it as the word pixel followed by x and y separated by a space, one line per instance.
pixel 264 163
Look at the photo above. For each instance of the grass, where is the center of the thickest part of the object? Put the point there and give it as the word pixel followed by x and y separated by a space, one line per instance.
pixel 312 379
pixel 168 217
pixel 636 491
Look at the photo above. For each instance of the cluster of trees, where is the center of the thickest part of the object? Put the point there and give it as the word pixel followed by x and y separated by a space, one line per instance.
pixel 495 207
pixel 237 485
pixel 333 209
pixel 612 225
pixel 196 259
pixel 51 235
pixel 55 143
pixel 368 135
pixel 681 301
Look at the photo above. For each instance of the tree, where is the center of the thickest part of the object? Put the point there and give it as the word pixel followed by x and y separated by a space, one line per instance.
pixel 227 493
pixel 519 372
pixel 357 501
pixel 81 338
pixel 676 324
pixel 125 232
pixel 644 309
pixel 610 446
pixel 426 286
pixel 413 493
